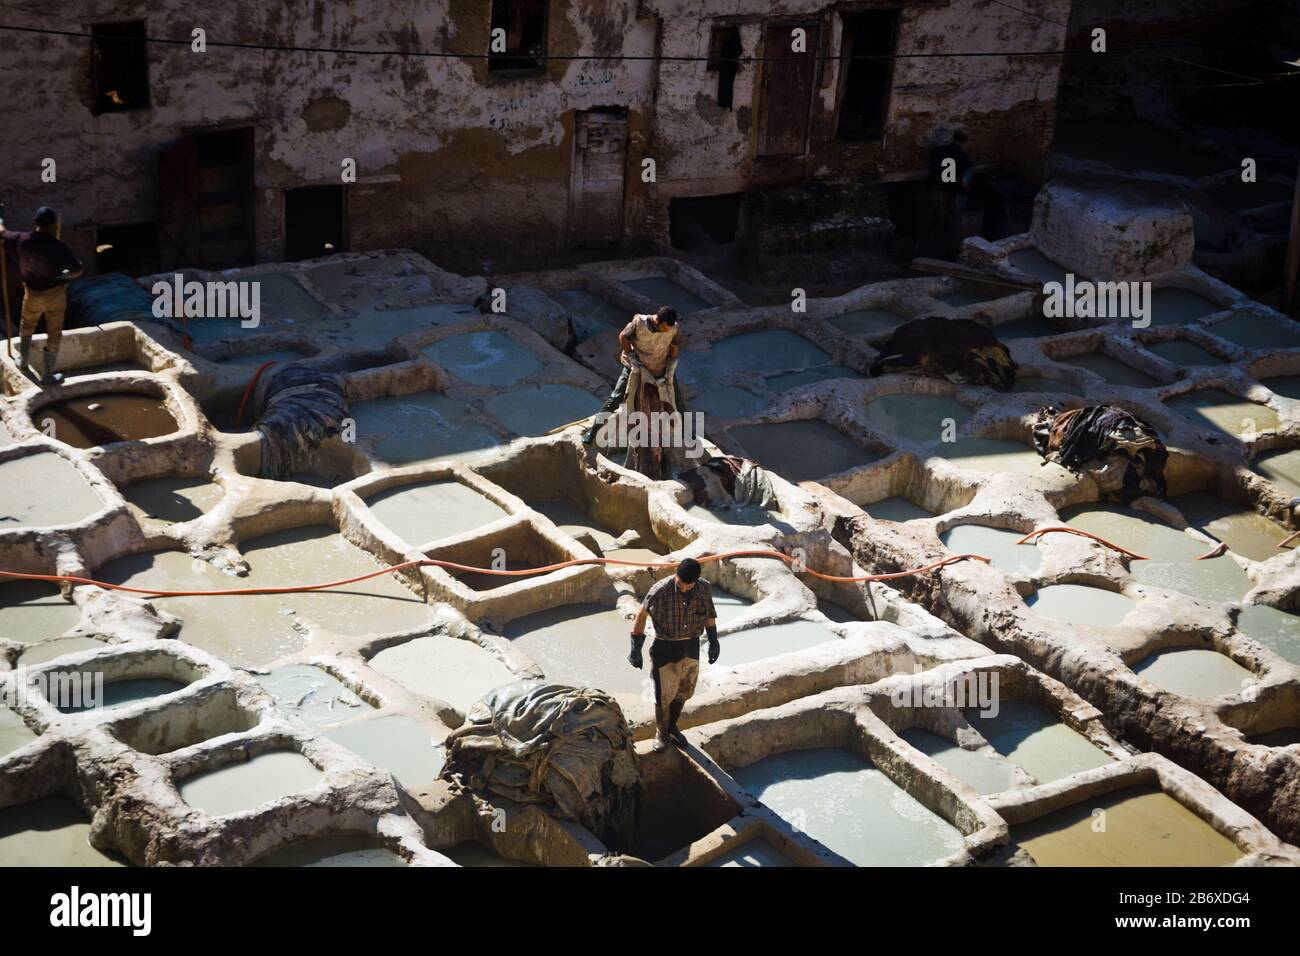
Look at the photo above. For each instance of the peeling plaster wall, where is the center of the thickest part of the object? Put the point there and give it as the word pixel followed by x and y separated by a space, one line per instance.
pixel 446 154
pixel 1007 105
pixel 457 163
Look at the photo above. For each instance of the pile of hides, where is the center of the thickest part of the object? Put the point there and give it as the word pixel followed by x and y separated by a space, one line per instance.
pixel 566 749
pixel 1120 451
pixel 959 350
pixel 111 297
pixel 726 481
pixel 299 407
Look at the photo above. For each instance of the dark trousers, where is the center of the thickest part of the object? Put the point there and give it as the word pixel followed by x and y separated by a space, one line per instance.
pixel 616 398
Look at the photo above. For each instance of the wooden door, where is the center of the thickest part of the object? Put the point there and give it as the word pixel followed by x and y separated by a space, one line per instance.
pixel 787 91
pixel 596 185
pixel 179 209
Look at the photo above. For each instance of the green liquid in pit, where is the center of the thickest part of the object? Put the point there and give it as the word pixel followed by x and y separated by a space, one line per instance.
pixel 238 787
pixel 1195 672
pixel 1037 741
pixel 51 831
pixel 174 498
pixel 973 768
pixel 1282 468
pixel 333 851
pixel 32 611
pixel 423 513
pixel 44 489
pixel 752 853
pixel 484 358
pixel 849 806
pixel 120 693
pixel 1183 354
pixel 1248 533
pixel 802 450
pixel 1276 630
pixel 1256 332
pixel 997 544
pixel 398 745
pixel 896 508
pixel 919 418
pixel 1079 604
pixel 585 645
pixel 445 668
pixel 1224 412
pixel 536 409
pixel 14 733
pixel 664 291
pixel 1112 370
pixel 868 322
pixel 420 428
pixel 1179 307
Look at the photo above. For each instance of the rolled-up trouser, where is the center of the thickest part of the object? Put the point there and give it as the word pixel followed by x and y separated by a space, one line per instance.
pixel 52 304
pixel 618 396
pixel 674 685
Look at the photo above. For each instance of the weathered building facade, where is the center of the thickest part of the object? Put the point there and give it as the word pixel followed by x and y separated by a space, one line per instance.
pixel 237 153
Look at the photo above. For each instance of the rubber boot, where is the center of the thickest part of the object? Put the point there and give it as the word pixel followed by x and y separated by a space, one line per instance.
pixel 24 354
pixel 48 376
pixel 673 734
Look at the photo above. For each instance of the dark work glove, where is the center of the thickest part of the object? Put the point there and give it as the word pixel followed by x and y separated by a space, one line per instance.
pixel 715 648
pixel 634 658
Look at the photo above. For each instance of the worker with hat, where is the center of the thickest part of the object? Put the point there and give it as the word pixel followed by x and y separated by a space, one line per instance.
pixel 47 265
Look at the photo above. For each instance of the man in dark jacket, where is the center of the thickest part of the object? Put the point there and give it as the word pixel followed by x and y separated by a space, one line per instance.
pixel 47 265
pixel 947 190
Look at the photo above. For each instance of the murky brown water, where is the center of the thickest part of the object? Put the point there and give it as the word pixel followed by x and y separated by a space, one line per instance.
pixel 1142 827
pixel 100 419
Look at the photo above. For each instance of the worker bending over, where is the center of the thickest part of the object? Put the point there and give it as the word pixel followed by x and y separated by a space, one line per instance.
pixel 650 344
pixel 681 608
pixel 46 265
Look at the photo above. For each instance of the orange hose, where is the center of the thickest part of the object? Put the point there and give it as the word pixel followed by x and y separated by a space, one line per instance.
pixel 252 383
pixel 452 566
pixel 1288 539
pixel 1085 534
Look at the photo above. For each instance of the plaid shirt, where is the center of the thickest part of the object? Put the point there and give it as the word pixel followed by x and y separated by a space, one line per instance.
pixel 679 615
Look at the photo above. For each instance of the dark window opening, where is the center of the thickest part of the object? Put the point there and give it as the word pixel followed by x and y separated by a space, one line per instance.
pixel 131 249
pixel 315 221
pixel 724 59
pixel 226 197
pixel 697 221
pixel 870 39
pixel 119 58
pixel 524 23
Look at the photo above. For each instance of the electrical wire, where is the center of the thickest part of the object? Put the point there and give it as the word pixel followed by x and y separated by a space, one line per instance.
pixel 790 560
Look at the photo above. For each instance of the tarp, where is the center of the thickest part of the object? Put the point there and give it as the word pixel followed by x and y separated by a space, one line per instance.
pixel 959 350
pixel 728 481
pixel 112 297
pixel 1122 453
pixel 567 749
pixel 299 407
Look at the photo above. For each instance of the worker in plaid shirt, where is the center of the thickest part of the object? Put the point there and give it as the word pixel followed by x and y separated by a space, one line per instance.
pixel 681 608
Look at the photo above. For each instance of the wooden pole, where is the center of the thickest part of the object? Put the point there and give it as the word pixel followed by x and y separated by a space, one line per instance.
pixel 4 281
pixel 966 273
pixel 1291 285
